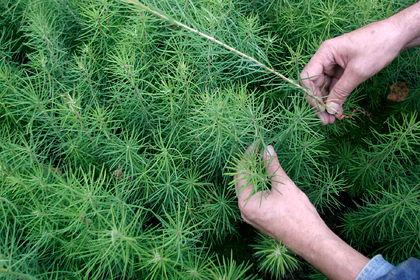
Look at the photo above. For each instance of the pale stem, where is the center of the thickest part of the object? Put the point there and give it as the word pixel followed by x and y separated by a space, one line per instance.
pixel 214 40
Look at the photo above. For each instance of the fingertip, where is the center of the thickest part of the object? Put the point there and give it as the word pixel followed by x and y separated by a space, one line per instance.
pixel 249 149
pixel 324 118
pixel 333 107
pixel 270 149
pixel 269 153
pixel 332 119
pixel 252 149
pixel 271 160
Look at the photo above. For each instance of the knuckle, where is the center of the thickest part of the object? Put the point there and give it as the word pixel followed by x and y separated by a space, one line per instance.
pixel 245 218
pixel 245 212
pixel 241 204
pixel 340 93
pixel 361 72
pixel 327 44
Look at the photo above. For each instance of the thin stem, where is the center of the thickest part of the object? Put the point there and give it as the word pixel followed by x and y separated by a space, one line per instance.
pixel 33 156
pixel 214 40
pixel 52 53
pixel 100 29
pixel 90 84
pixel 8 83
pixel 380 155
pixel 186 90
pixel 234 138
pixel 256 127
pixel 107 19
pixel 41 108
pixel 144 32
pixel 49 76
pixel 80 120
pixel 217 124
pixel 5 59
pixel 106 131
pixel 137 93
pixel 68 8
pixel 140 47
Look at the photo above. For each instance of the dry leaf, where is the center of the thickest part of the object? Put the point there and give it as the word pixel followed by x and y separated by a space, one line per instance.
pixel 399 92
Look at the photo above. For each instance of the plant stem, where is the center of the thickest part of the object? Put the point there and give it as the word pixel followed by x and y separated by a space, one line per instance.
pixel 68 97
pixel 385 152
pixel 41 108
pixel 137 93
pixel 144 32
pixel 106 131
pixel 214 40
pixel 5 59
pixel 100 29
pixel 68 8
pixel 8 83
pixel 107 19
pixel 90 83
pixel 52 51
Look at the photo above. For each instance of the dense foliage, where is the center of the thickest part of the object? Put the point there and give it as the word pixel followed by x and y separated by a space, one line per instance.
pixel 118 131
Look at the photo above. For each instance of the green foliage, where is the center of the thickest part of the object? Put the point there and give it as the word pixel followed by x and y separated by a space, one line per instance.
pixel 119 133
pixel 223 268
pixel 273 257
pixel 329 184
pixel 388 220
pixel 252 171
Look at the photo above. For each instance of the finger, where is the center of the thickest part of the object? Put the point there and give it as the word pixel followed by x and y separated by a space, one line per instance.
pixel 274 169
pixel 252 149
pixel 241 192
pixel 341 90
pixel 317 87
pixel 312 84
pixel 319 109
pixel 239 184
pixel 334 71
pixel 316 95
pixel 324 117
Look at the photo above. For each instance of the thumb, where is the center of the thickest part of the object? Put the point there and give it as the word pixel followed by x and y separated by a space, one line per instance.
pixel 274 169
pixel 340 91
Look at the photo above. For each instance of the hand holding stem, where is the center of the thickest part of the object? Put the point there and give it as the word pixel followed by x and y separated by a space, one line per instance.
pixel 344 62
pixel 286 214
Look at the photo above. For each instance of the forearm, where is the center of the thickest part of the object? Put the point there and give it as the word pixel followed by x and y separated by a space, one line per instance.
pixel 408 23
pixel 333 257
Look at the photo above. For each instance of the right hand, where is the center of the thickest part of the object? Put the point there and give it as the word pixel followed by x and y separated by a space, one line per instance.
pixel 342 63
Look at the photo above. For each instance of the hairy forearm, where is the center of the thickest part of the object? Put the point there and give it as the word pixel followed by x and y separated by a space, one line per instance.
pixel 333 257
pixel 408 24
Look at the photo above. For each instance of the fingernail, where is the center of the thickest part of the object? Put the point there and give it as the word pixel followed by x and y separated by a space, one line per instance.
pixel 332 108
pixel 270 150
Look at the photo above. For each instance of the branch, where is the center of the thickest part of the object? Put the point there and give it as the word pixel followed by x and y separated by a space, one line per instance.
pixel 214 40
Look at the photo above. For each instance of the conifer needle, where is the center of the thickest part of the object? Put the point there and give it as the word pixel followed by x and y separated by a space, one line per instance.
pixel 214 40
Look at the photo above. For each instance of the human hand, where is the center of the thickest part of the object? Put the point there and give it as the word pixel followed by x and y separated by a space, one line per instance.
pixel 286 214
pixel 344 62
